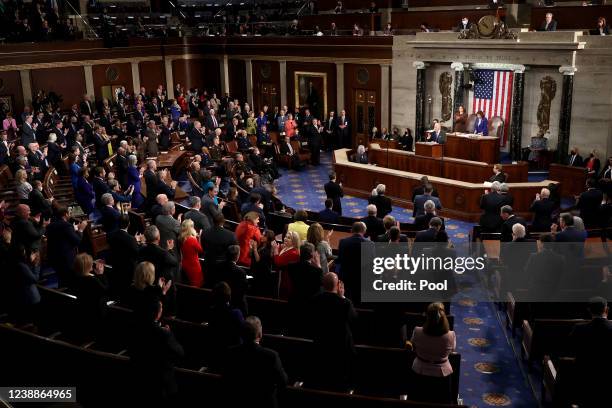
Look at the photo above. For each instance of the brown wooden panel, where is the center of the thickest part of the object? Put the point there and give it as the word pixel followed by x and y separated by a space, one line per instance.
pixel 572 179
pixel 439 19
pixel 69 82
pixel 237 79
pixel 328 69
pixel 355 76
pixel 573 17
pixel 152 74
pixel 197 73
pixel 266 80
pixel 111 74
pixel 366 21
pixel 484 150
pixel 10 85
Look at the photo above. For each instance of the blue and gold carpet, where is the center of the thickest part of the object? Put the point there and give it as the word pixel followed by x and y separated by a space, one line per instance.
pixel 491 374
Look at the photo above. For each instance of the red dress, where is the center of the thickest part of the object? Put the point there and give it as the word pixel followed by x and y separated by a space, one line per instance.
pixel 285 258
pixel 190 262
pixel 245 233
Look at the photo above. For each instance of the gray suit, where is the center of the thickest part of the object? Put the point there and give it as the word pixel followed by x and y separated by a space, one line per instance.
pixel 440 138
pixel 169 228
pixel 200 221
pixel 419 204
pixel 209 208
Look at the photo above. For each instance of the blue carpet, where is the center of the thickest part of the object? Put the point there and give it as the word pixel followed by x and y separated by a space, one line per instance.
pixel 491 374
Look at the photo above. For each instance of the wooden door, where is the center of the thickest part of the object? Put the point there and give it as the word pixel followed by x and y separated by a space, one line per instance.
pixel 365 115
pixel 267 95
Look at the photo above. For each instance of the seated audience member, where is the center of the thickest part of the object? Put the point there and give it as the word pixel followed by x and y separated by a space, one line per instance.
pixel 592 164
pixel 548 24
pixel 331 318
pixel 153 355
pixel 406 140
pixel 361 156
pixel 574 159
pixel 419 201
pixel 200 221
pixel 246 232
pixel 437 135
pixel 481 126
pixel 591 346
pixel 289 251
pixel 509 220
pixel 305 277
pixel 464 24
pixel 543 270
pixel 190 254
pixel 542 209
pixel 320 239
pixel 374 225
pixel 110 214
pixel 421 222
pixel 602 27
pixel 589 202
pixel 224 322
pixel 498 174
pixel 381 201
pixel 328 215
pixel 491 203
pixel 431 234
pixel 432 344
pixel 389 222
pixel 257 372
pixel 420 189
pixel 299 224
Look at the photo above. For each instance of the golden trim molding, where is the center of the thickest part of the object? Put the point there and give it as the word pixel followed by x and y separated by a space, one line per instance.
pixel 62 64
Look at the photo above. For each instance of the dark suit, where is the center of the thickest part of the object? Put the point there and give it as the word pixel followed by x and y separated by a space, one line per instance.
pixel 334 192
pixel 429 235
pixel 100 188
pixel 197 140
pixel 109 219
pixel 462 26
pixel 62 246
pixel 305 282
pixel 328 216
pixel 499 177
pixel 200 221
pixel 235 277
pixel 575 160
pixel 349 260
pixel 422 221
pixel 588 204
pixel 551 27
pixel 374 226
pixel 25 233
pixel 490 220
pixel 4 153
pixel 27 134
pixel 506 231
pixel 385 238
pixel 331 319
pixel 255 374
pixel 543 273
pixel 123 257
pixel 121 165
pixel 481 127
pixel 382 203
pixel 542 214
pixel 39 204
pixel 439 137
pixel 214 243
pixel 420 191
pixel 165 262
pixel 591 345
pixel 151 183
pixel 419 204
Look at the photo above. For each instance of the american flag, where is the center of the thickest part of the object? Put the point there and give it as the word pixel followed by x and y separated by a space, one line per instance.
pixel 493 95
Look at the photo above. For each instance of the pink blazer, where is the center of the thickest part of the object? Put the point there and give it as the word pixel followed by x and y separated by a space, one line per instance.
pixel 9 124
pixel 432 353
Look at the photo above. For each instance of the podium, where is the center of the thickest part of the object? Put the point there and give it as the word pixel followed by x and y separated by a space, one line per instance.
pixel 434 150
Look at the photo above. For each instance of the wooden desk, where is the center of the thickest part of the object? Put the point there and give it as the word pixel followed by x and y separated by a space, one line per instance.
pixel 429 149
pixel 475 148
pixel 446 167
pixel 169 159
pixel 460 200
pixel 573 179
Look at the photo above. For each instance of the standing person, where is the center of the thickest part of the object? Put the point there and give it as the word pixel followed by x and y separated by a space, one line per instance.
pixel 246 232
pixel 344 133
pixel 314 142
pixel 63 240
pixel 334 192
pixel 317 237
pixel 261 266
pixel 133 179
pixel 190 254
pixel 460 120
pixel 432 344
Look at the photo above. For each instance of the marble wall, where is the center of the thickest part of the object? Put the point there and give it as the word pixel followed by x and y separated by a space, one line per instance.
pixel 542 54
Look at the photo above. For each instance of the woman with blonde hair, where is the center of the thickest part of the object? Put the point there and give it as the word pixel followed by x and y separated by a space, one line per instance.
pixel 190 254
pixel 317 237
pixel 144 289
pixel 91 289
pixel 432 345
pixel 24 188
pixel 251 124
pixel 289 251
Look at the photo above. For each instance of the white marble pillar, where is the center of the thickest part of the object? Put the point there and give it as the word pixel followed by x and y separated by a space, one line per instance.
pixel 169 77
pixel 283 82
pixel 249 80
pixel 135 78
pixel 224 68
pixel 385 85
pixel 89 82
pixel 339 87
pixel 26 86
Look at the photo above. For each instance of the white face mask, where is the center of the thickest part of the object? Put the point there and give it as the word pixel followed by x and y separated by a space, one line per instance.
pixel 464 21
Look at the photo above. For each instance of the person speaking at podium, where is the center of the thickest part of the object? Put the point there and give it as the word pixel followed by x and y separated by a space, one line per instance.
pixel 481 126
pixel 437 135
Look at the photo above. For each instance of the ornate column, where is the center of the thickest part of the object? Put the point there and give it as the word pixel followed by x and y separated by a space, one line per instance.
pixel 283 82
pixel 224 68
pixel 419 126
pixel 135 77
pixel 458 89
pixel 249 80
pixel 385 108
pixel 89 82
pixel 516 121
pixel 26 86
pixel 339 87
pixel 169 77
pixel 565 119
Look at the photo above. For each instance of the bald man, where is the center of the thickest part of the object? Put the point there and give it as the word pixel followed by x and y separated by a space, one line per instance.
pixel 332 317
pixel 27 232
pixel 542 209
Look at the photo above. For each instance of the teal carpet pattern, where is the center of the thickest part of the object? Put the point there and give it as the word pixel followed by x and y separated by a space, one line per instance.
pixel 491 372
